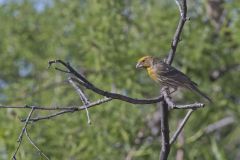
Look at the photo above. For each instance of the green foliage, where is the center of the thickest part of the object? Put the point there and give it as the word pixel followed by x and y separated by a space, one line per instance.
pixel 104 39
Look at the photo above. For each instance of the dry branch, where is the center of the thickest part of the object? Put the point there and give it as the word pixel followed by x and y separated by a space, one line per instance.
pixel 83 81
pixel 21 134
pixel 70 110
pixel 180 128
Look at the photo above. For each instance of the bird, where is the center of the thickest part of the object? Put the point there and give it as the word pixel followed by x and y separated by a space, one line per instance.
pixel 167 75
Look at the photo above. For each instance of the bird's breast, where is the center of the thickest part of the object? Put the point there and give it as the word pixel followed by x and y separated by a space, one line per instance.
pixel 152 73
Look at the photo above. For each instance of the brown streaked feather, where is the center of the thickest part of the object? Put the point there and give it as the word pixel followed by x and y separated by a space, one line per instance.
pixel 170 76
pixel 172 73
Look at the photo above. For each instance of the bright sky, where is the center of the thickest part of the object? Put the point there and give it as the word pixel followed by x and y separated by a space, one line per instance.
pixel 38 4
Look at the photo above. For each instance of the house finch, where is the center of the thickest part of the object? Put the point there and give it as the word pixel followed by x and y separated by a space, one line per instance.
pixel 167 75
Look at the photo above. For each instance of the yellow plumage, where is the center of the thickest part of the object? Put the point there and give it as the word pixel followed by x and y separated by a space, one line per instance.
pixel 152 74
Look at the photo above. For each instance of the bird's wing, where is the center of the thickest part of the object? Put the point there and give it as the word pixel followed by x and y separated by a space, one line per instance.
pixel 172 77
pixel 172 74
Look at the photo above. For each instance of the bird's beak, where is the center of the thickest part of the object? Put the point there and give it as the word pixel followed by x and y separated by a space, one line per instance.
pixel 139 65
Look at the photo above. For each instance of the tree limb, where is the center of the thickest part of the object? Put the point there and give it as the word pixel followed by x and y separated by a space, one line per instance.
pixel 90 86
pixel 164 132
pixel 182 4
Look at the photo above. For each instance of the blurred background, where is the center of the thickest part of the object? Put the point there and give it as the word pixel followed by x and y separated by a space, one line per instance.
pixel 103 40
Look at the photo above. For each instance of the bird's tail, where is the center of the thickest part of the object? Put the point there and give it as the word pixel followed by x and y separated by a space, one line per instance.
pixel 196 90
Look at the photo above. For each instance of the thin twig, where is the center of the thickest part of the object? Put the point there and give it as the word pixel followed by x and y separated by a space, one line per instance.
pixel 61 70
pixel 51 115
pixel 71 110
pixel 21 134
pixel 82 97
pixel 40 108
pixel 182 4
pixel 189 106
pixel 34 145
pixel 180 128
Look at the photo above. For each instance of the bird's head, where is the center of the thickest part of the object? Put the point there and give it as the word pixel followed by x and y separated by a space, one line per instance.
pixel 145 62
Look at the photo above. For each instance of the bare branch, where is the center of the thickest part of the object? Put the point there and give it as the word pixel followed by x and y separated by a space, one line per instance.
pixel 70 110
pixel 39 108
pixel 183 10
pixel 164 132
pixel 182 4
pixel 21 134
pixel 82 96
pixel 51 115
pixel 90 86
pixel 189 106
pixel 61 70
pixel 180 128
pixel 34 145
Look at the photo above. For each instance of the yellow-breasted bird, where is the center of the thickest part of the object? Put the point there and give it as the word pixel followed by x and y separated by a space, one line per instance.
pixel 167 75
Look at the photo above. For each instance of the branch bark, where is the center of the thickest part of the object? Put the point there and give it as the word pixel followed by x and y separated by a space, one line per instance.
pixel 164 132
pixel 182 4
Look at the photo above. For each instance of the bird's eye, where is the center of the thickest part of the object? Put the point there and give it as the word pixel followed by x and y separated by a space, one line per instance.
pixel 143 60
